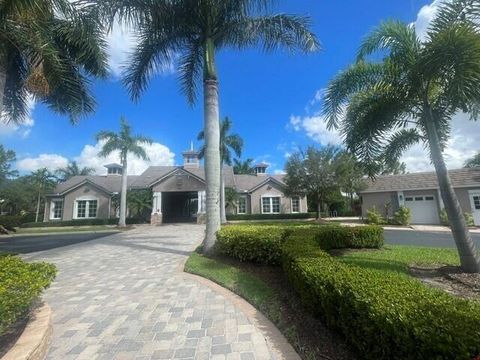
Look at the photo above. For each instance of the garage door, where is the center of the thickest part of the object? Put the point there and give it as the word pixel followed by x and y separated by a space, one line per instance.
pixel 423 208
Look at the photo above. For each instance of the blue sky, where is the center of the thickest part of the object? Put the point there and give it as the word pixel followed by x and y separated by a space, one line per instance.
pixel 269 97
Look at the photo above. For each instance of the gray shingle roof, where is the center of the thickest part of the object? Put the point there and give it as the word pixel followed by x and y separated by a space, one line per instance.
pixel 111 183
pixel 248 182
pixel 423 180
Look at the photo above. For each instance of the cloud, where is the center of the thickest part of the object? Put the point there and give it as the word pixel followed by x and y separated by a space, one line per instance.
pixel 158 155
pixel 315 127
pixel 425 17
pixel 49 161
pixel 8 128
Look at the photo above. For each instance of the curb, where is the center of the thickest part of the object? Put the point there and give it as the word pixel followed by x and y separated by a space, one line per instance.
pixel 34 342
pixel 277 343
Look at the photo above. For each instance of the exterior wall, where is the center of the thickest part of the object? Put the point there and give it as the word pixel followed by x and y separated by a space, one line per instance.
pixel 378 200
pixel 254 201
pixel 86 190
pixel 179 183
pixel 46 211
pixel 464 198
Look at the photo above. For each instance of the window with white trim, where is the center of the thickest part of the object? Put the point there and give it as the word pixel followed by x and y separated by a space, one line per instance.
pixel 295 204
pixel 242 205
pixel 271 205
pixel 57 209
pixel 87 209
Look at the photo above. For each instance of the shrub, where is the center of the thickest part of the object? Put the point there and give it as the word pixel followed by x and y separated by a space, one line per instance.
pixel 260 244
pixel 271 216
pixel 446 222
pixel 21 283
pixel 403 216
pixel 469 219
pixel 80 222
pixel 374 217
pixel 10 222
pixel 383 315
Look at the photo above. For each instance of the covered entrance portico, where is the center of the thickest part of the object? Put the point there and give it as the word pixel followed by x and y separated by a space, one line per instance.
pixel 178 207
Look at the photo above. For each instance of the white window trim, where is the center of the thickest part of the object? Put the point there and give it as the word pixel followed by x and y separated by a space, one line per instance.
pixel 52 208
pixel 238 205
pixel 271 204
pixel 471 194
pixel 87 199
pixel 299 205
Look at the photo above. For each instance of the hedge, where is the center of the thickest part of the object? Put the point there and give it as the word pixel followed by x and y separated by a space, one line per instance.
pixel 294 216
pixel 383 315
pixel 21 283
pixel 10 222
pixel 81 222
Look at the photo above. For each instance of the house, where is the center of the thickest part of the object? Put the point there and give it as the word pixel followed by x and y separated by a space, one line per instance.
pixel 178 193
pixel 420 193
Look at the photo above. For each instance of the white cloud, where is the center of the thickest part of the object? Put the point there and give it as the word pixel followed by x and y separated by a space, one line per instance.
pixel 158 155
pixel 315 127
pixel 8 128
pixel 49 161
pixel 279 172
pixel 425 16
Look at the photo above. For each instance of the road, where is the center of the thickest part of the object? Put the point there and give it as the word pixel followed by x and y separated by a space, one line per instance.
pixel 424 238
pixel 24 244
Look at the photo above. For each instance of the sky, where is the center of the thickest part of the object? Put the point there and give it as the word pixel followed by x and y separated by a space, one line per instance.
pixel 273 100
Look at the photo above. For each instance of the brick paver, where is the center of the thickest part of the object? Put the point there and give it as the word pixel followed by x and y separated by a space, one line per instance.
pixel 124 297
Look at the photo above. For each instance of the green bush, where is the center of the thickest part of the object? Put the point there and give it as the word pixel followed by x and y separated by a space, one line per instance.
pixel 384 315
pixel 10 222
pixel 469 219
pixel 403 216
pixel 374 217
pixel 294 216
pixel 259 244
pixel 81 222
pixel 21 283
pixel 446 222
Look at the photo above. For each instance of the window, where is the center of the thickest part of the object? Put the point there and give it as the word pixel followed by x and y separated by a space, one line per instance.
pixel 419 198
pixel 476 202
pixel 428 198
pixel 408 199
pixel 86 209
pixel 295 205
pixel 271 205
pixel 57 209
pixel 242 205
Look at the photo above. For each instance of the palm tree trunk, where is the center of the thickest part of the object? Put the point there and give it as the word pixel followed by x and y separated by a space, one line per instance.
pixel 469 258
pixel 3 81
pixel 223 215
pixel 38 206
pixel 319 209
pixel 212 161
pixel 123 195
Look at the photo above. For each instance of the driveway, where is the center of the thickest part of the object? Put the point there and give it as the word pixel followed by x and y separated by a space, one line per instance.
pixel 124 296
pixel 424 238
pixel 24 244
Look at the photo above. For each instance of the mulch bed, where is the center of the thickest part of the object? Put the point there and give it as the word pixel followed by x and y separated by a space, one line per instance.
pixel 308 335
pixel 451 279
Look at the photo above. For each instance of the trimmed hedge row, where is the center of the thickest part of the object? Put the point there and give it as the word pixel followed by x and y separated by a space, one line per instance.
pixel 10 222
pixel 263 244
pixel 81 222
pixel 21 284
pixel 383 315
pixel 294 216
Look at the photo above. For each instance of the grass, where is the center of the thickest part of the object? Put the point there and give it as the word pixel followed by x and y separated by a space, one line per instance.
pixel 398 258
pixel 39 230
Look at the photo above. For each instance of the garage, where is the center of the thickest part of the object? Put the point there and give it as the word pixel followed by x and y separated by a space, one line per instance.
pixel 424 209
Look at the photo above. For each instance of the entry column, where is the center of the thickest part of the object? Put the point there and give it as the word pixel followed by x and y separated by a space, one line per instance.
pixel 201 216
pixel 157 217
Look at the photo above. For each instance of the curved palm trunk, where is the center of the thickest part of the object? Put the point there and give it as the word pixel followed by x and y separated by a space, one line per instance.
pixel 123 195
pixel 3 81
pixel 212 161
pixel 223 215
pixel 469 258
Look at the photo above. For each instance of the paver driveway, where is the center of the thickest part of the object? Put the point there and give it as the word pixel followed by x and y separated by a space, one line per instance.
pixel 124 297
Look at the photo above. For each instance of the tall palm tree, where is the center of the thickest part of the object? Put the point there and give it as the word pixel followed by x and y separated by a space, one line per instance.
pixel 72 169
pixel 191 33
pixel 410 96
pixel 125 143
pixel 42 180
pixel 227 142
pixel 244 167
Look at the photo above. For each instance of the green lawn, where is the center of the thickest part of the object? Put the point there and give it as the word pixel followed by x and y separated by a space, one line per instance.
pixel 397 257
pixel 66 229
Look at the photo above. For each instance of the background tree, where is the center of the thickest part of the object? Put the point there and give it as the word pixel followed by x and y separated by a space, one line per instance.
pixel 351 176
pixel 43 182
pixel 409 97
pixel 48 50
pixel 231 197
pixel 125 143
pixel 228 142
pixel 313 173
pixel 71 170
pixel 140 203
pixel 243 167
pixel 191 33
pixel 473 162
pixel 7 157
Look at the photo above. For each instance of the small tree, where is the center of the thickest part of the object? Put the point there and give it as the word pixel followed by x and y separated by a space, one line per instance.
pixel 7 157
pixel 313 172
pixel 71 170
pixel 43 181
pixel 351 176
pixel 126 143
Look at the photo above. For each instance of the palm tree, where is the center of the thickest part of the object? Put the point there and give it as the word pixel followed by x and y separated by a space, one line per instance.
pixel 227 142
pixel 191 33
pixel 72 169
pixel 473 162
pixel 126 143
pixel 243 167
pixel 410 96
pixel 48 49
pixel 42 180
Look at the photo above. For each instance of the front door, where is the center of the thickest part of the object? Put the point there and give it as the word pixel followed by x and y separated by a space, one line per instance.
pixel 475 203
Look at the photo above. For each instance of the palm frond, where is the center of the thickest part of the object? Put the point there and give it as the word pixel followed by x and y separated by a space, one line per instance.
pixel 190 70
pixel 455 12
pixel 399 142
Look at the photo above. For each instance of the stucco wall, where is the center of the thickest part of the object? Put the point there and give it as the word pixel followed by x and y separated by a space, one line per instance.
pixel 179 183
pixel 273 189
pixel 464 198
pixel 378 200
pixel 83 191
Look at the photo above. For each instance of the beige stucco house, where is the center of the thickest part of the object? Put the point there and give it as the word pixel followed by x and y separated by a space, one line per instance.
pixel 420 193
pixel 178 193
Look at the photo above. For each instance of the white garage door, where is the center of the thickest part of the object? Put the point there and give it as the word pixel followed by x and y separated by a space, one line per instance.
pixel 423 208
